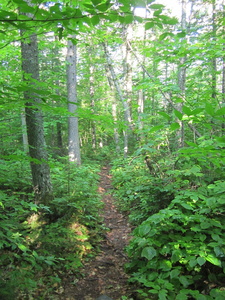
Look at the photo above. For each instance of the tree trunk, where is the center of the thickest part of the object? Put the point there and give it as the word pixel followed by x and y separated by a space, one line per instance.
pixel 74 143
pixel 92 98
pixel 214 66
pixel 34 120
pixel 24 132
pixel 182 79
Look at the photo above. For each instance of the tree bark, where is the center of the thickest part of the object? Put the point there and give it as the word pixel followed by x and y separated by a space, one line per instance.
pixel 34 120
pixel 74 143
pixel 182 78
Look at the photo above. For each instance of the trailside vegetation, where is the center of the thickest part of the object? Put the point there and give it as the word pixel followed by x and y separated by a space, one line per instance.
pixel 145 91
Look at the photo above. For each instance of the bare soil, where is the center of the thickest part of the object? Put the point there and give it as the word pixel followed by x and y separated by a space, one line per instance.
pixel 104 274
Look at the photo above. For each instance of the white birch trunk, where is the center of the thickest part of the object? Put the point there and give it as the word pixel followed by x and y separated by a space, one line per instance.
pixel 73 136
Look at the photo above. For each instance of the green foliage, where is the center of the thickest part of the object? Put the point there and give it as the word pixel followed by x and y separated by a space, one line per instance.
pixel 177 205
pixel 138 192
pixel 38 244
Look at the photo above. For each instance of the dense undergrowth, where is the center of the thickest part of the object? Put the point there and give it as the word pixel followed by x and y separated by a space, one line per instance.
pixel 42 246
pixel 177 205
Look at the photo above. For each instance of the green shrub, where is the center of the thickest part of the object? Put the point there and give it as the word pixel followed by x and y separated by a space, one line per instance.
pixel 180 251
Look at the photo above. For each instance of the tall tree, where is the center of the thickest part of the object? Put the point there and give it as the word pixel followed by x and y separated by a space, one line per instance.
pixel 34 120
pixel 74 143
pixel 182 74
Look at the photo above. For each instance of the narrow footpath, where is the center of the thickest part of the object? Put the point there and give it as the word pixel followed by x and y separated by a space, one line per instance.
pixel 104 275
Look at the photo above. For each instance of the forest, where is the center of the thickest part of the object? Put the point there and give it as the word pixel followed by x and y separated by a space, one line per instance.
pixel 112 122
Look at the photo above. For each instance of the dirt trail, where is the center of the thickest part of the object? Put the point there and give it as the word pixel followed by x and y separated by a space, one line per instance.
pixel 105 273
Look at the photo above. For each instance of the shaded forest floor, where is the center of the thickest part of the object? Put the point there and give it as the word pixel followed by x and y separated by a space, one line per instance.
pixel 105 274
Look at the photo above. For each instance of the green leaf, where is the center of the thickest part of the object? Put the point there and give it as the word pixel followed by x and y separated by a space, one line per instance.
pixel 156 128
pixel 192 262
pixel 213 260
pixel 103 7
pixel 187 110
pixel 184 281
pixel 128 19
pixel 178 114
pixel 149 25
pixel 95 20
pixel 157 6
pixel 201 261
pixel 148 252
pixel 22 247
pixel 165 265
pixel 174 273
pixel 162 295
pixel 220 112
pixel 209 109
pixel 185 205
pixel 181 34
pixel 165 35
pixel 174 126
pixel 205 225
pixel 165 115
pixel 96 2
pixel 144 229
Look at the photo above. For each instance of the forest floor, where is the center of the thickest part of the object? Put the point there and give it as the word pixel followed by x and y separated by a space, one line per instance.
pixel 104 274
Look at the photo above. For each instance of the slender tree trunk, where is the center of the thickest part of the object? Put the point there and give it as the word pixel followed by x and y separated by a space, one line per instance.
pixel 92 98
pixel 214 65
pixel 182 78
pixel 24 131
pixel 34 120
pixel 74 143
pixel 223 70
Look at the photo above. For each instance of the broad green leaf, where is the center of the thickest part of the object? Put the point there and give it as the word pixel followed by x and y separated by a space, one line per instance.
pixel 184 281
pixel 148 252
pixel 209 109
pixel 219 252
pixel 187 206
pixel 157 13
pixel 156 128
pixel 168 20
pixel 178 114
pixel 157 6
pixel 162 295
pixel 128 19
pixel 181 34
pixel 187 110
pixel 174 126
pixel 144 229
pixel 174 273
pixel 220 112
pixel 192 262
pixel 201 260
pixel 176 255
pixel 22 247
pixel 181 296
pixel 213 260
pixel 95 20
pixel 165 115
pixel 205 225
pixel 165 265
pixel 165 35
pixel 103 7
pixel 149 25
pixel 96 2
